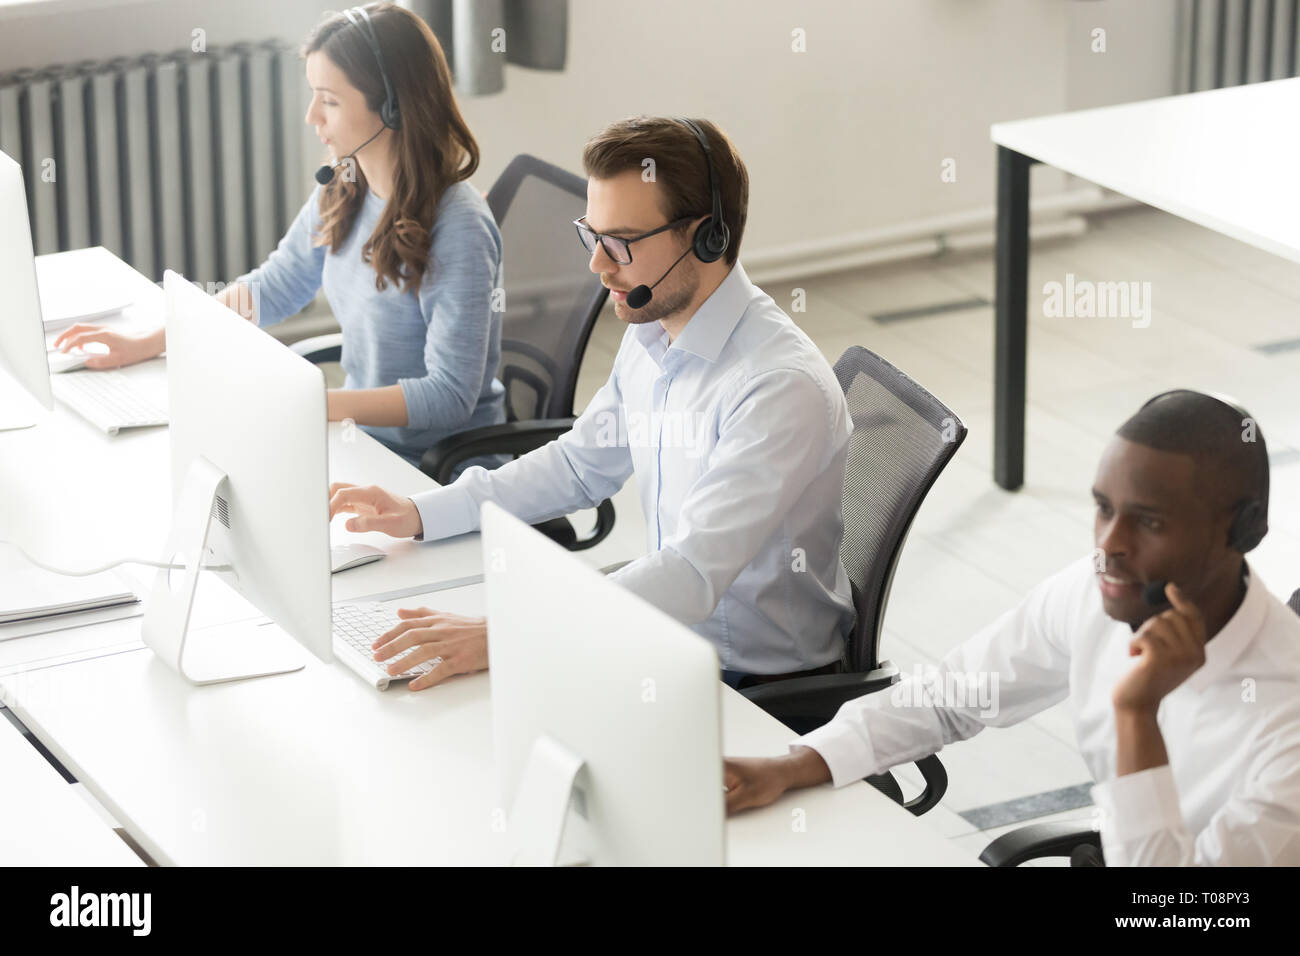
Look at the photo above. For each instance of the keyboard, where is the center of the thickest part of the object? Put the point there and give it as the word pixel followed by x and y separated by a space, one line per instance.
pixel 108 400
pixel 355 628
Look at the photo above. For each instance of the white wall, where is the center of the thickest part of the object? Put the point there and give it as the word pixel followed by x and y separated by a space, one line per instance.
pixel 843 138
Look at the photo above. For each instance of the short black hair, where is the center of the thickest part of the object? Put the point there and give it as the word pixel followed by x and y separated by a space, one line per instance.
pixel 1221 437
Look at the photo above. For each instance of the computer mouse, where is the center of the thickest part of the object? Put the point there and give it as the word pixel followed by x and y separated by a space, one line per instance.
pixel 344 557
pixel 67 361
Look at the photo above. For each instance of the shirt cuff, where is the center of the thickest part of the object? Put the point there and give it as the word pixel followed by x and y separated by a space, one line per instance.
pixel 1137 805
pixel 847 752
pixel 445 512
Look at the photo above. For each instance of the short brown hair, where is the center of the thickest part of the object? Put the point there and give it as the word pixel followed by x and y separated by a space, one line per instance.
pixel 679 166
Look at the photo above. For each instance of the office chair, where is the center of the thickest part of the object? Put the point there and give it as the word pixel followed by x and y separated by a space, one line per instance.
pixel 1056 839
pixel 552 302
pixel 903 437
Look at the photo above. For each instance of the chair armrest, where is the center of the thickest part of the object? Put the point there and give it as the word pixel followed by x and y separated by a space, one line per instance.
pixel 936 785
pixel 819 696
pixel 320 348
pixel 512 438
pixel 1038 840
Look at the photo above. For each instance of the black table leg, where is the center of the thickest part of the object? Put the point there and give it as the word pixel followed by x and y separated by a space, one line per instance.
pixel 1011 287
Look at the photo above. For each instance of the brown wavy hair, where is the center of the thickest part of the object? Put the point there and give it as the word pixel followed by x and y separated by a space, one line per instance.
pixel 433 149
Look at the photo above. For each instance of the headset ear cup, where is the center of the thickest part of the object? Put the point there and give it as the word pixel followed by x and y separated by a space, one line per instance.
pixel 710 243
pixel 1248 528
pixel 390 115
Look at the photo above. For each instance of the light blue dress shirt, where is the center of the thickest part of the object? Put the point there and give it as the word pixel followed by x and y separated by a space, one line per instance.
pixel 737 433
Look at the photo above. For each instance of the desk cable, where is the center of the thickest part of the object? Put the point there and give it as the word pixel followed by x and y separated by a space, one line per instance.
pixel 107 567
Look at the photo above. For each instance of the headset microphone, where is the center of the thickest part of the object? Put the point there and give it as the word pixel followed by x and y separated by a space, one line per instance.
pixel 1154 594
pixel 641 295
pixel 389 113
pixel 325 175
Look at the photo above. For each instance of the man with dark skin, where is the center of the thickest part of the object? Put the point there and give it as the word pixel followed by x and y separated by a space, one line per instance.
pixel 1169 491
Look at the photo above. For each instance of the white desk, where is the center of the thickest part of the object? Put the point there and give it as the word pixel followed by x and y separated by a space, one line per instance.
pixel 1224 159
pixel 76 497
pixel 316 768
pixel 43 822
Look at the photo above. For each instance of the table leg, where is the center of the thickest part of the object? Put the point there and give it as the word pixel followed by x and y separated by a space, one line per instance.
pixel 1011 286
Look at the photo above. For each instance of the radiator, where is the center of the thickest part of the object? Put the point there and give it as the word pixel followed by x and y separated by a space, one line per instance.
pixel 184 161
pixel 1231 42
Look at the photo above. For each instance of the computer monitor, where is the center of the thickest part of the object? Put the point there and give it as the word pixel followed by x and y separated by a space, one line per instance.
pixel 606 713
pixel 24 368
pixel 250 487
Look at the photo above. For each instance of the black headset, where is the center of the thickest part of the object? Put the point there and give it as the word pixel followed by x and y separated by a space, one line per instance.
pixel 388 111
pixel 712 237
pixel 1250 523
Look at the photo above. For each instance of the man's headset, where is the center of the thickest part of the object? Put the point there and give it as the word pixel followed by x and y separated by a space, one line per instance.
pixel 711 236
pixel 1250 523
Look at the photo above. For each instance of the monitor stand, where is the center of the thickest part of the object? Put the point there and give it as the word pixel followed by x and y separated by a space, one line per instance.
pixel 547 824
pixel 17 407
pixel 208 655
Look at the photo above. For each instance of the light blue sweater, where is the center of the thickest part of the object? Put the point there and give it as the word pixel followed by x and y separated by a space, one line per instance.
pixel 442 348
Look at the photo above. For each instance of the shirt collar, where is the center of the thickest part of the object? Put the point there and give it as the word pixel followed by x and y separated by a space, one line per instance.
pixel 1226 646
pixel 711 325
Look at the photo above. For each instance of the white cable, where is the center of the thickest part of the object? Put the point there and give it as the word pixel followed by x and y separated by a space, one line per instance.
pixel 108 567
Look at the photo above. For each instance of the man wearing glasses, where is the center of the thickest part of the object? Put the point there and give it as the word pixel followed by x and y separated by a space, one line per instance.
pixel 729 417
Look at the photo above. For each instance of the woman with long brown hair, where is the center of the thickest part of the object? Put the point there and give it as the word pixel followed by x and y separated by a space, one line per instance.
pixel 405 248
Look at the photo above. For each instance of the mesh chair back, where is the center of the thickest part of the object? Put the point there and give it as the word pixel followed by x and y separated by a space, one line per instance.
pixel 903 437
pixel 551 298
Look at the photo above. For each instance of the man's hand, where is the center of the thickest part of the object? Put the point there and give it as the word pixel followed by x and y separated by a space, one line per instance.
pixel 757 781
pixel 460 641
pixel 122 349
pixel 1169 646
pixel 375 510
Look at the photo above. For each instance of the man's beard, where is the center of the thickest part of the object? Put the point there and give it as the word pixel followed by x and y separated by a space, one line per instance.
pixel 667 299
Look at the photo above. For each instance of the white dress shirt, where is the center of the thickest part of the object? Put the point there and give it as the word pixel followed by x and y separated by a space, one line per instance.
pixel 1230 794
pixel 737 432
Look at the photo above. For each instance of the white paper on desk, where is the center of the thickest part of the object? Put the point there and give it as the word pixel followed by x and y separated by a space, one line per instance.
pixel 29 593
pixel 80 286
pixel 63 622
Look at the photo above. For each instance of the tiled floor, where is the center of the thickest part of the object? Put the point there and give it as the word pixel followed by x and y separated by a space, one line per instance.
pixel 975 549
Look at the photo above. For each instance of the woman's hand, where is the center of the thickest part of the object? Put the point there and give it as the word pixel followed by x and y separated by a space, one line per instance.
pixel 122 349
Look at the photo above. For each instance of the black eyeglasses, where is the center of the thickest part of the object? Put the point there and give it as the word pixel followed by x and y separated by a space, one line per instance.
pixel 615 247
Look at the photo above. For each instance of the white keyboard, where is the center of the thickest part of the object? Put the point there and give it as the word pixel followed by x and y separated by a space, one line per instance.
pixel 108 400
pixel 355 628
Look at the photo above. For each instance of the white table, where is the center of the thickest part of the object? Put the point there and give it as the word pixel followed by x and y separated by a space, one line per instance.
pixel 1224 159
pixel 315 767
pixel 43 822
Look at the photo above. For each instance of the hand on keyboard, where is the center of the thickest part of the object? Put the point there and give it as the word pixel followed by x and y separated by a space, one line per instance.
pixel 460 641
pixel 122 349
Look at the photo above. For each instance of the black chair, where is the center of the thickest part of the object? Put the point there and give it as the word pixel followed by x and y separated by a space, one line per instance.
pixel 552 301
pixel 1055 839
pixel 903 437
pixel 1039 840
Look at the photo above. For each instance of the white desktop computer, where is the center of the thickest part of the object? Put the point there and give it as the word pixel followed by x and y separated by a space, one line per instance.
pixel 606 713
pixel 250 494
pixel 25 396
